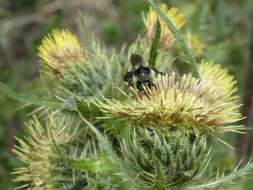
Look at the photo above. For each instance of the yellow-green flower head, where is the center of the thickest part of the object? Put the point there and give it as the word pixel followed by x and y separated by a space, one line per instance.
pixel 150 20
pixel 59 49
pixel 195 44
pixel 189 102
pixel 38 151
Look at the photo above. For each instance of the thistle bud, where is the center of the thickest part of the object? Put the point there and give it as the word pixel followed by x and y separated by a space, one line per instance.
pixel 58 50
pixel 164 160
pixel 44 153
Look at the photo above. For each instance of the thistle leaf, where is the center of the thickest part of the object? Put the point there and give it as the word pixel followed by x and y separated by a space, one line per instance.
pixel 155 44
pixel 111 155
pixel 40 101
pixel 179 39
pixel 226 180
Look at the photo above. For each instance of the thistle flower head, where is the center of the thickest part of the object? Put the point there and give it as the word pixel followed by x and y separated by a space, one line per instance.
pixel 150 20
pixel 59 49
pixel 206 106
pixel 38 153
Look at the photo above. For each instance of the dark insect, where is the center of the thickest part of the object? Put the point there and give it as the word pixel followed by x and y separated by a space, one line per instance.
pixel 140 75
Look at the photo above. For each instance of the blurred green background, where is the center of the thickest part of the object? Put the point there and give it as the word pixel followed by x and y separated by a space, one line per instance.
pixel 225 27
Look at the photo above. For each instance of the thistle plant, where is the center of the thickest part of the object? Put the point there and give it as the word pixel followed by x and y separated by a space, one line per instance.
pixel 128 120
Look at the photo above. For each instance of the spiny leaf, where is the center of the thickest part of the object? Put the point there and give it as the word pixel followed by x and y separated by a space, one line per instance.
pixel 155 44
pixel 41 101
pixel 112 156
pixel 226 180
pixel 179 39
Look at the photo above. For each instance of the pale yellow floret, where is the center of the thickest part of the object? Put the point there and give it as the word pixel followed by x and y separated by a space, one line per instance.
pixel 218 80
pixel 59 49
pixel 150 20
pixel 197 104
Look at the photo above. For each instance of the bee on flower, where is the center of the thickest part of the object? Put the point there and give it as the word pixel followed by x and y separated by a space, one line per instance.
pixel 207 106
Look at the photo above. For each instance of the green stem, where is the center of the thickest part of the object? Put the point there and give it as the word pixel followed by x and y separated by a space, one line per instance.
pixel 154 47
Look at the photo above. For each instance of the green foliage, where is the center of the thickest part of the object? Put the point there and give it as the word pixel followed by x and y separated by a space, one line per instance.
pixel 197 16
pixel 226 180
pixel 110 33
pixel 39 101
